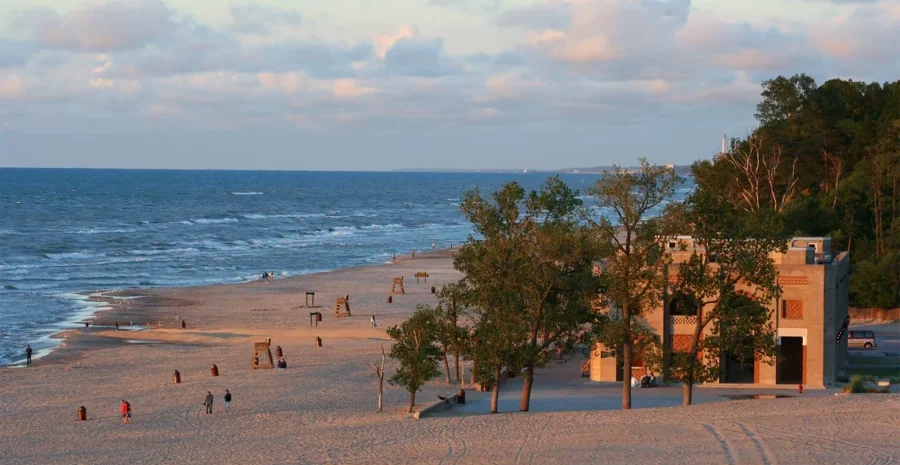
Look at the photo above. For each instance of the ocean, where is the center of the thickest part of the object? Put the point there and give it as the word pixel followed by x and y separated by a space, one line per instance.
pixel 68 233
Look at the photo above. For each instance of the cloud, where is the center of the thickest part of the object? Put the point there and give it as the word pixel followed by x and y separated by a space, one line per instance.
pixel 284 82
pixel 107 26
pixel 349 88
pixel 11 87
pixel 259 19
pixel 419 57
pixel 384 42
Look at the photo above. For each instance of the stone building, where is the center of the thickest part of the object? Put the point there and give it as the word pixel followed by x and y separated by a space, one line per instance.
pixel 810 318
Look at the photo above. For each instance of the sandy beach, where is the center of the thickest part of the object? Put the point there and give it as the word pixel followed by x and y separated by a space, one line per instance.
pixel 321 410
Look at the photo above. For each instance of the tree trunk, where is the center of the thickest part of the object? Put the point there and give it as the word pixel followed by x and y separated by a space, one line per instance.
pixel 462 382
pixel 412 401
pixel 526 389
pixel 688 393
pixel 626 369
pixel 381 380
pixel 446 369
pixel 495 394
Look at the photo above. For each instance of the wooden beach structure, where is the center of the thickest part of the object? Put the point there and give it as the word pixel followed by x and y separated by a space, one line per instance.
pixel 342 307
pixel 262 355
pixel 397 287
pixel 422 275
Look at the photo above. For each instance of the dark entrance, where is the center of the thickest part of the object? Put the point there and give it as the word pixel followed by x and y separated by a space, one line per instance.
pixel 735 370
pixel 790 361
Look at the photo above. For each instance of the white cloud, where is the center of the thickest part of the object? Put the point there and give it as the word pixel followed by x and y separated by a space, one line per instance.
pixel 11 87
pixel 384 42
pixel 349 88
pixel 108 26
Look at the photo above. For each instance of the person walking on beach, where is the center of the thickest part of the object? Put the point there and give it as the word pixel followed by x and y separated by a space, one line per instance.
pixel 208 402
pixel 227 401
pixel 126 412
pixel 374 324
pixel 117 326
pixel 28 355
pixel 183 324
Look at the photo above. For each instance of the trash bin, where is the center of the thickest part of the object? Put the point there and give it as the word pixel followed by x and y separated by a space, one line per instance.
pixel 318 317
pixel 433 290
pixel 214 370
pixel 82 413
pixel 318 342
pixel 390 299
pixel 176 377
pixel 278 352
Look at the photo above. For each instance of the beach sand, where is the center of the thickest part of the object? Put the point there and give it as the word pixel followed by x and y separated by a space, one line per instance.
pixel 322 408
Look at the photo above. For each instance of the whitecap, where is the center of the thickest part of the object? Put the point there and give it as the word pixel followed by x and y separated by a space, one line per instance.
pixel 73 255
pixel 214 220
pixel 246 193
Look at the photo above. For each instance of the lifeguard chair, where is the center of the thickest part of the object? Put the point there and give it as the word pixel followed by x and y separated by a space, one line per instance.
pixel 262 355
pixel 342 307
pixel 397 287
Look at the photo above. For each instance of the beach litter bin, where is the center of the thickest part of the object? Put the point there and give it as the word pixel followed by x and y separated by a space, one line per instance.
pixel 214 370
pixel 318 342
pixel 82 413
pixel 390 299
pixel 278 352
pixel 176 377
pixel 433 290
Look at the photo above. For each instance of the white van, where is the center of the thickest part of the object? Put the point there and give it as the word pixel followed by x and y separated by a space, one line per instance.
pixel 861 340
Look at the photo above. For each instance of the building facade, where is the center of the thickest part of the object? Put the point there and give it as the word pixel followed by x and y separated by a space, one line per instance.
pixel 810 318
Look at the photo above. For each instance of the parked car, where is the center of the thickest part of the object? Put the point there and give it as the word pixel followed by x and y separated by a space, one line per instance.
pixel 861 340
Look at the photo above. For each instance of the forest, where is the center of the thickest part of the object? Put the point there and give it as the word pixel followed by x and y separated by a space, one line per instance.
pixel 826 159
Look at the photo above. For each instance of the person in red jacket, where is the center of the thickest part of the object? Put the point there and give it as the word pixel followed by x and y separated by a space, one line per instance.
pixel 126 412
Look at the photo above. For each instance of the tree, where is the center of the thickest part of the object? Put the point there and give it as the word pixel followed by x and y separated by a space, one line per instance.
pixel 379 372
pixel 414 348
pixel 453 337
pixel 729 280
pixel 557 281
pixel 530 274
pixel 632 277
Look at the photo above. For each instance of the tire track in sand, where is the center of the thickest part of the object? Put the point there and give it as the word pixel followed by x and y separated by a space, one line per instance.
pixel 726 446
pixel 874 456
pixel 760 446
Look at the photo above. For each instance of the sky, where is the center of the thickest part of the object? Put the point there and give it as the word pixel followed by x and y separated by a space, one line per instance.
pixel 394 84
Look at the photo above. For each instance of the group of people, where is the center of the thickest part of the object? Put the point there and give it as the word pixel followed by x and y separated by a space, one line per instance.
pixel 267 276
pixel 646 381
pixel 207 402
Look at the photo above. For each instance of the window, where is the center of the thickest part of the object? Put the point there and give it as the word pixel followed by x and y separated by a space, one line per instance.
pixel 792 309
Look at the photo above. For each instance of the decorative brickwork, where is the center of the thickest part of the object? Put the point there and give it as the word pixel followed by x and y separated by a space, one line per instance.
pixel 682 342
pixel 792 309
pixel 684 320
pixel 793 280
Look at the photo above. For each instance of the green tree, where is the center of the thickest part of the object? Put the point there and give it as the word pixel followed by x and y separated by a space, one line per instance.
pixel 632 278
pixel 729 280
pixel 451 334
pixel 490 266
pixel 414 347
pixel 534 261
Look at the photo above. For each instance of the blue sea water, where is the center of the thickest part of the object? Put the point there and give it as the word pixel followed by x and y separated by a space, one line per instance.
pixel 65 233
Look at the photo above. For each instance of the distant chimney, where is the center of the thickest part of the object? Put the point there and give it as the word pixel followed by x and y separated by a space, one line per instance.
pixel 724 138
